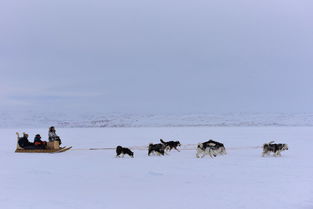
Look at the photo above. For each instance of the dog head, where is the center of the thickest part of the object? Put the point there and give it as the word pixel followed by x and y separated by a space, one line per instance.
pixel 201 146
pixel 284 147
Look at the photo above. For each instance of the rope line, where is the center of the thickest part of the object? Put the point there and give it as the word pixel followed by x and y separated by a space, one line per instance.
pixel 183 147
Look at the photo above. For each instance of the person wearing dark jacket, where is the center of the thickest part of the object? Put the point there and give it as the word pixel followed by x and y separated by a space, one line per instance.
pixel 24 143
pixel 39 144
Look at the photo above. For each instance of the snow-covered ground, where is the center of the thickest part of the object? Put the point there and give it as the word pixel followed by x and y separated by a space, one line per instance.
pixel 97 180
pixel 96 120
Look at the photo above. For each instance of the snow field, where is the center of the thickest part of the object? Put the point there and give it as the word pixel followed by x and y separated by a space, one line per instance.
pixel 96 179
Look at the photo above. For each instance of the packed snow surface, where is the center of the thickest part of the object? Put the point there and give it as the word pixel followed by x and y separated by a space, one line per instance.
pixel 96 179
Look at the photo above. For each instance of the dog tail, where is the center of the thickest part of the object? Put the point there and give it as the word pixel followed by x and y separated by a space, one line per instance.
pixel 271 142
pixel 161 140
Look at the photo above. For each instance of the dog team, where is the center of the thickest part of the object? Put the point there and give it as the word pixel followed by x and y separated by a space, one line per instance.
pixel 210 148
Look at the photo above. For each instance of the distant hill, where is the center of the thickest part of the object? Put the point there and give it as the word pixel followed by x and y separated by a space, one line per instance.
pixel 43 120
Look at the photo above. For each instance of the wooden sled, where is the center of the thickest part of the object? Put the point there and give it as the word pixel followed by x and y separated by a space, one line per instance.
pixel 52 147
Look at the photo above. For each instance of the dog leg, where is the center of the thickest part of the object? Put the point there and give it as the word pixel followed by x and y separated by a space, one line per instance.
pixel 160 153
pixel 204 153
pixel 199 151
pixel 265 153
pixel 278 154
pixel 215 152
pixel 200 154
pixel 212 153
pixel 274 154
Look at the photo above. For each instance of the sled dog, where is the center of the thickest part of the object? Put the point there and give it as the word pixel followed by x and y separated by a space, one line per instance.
pixel 158 149
pixel 171 145
pixel 121 151
pixel 211 148
pixel 276 149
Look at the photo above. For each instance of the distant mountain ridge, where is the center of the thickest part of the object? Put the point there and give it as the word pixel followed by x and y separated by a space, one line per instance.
pixel 43 120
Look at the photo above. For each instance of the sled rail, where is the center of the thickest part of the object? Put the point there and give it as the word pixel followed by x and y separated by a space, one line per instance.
pixel 52 147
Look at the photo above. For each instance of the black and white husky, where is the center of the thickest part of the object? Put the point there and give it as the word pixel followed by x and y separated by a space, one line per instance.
pixel 211 148
pixel 276 149
pixel 171 145
pixel 158 149
pixel 121 151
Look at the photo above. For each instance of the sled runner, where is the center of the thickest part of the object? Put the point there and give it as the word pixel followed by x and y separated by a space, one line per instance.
pixel 52 147
pixel 61 149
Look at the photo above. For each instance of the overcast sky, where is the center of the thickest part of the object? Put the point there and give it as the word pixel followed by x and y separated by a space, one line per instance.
pixel 164 56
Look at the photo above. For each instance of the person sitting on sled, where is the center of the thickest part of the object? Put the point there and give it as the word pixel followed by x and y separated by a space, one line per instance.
pixel 53 136
pixel 24 143
pixel 39 144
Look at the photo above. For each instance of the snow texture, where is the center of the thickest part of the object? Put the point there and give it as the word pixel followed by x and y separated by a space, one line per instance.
pixel 98 180
pixel 68 120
